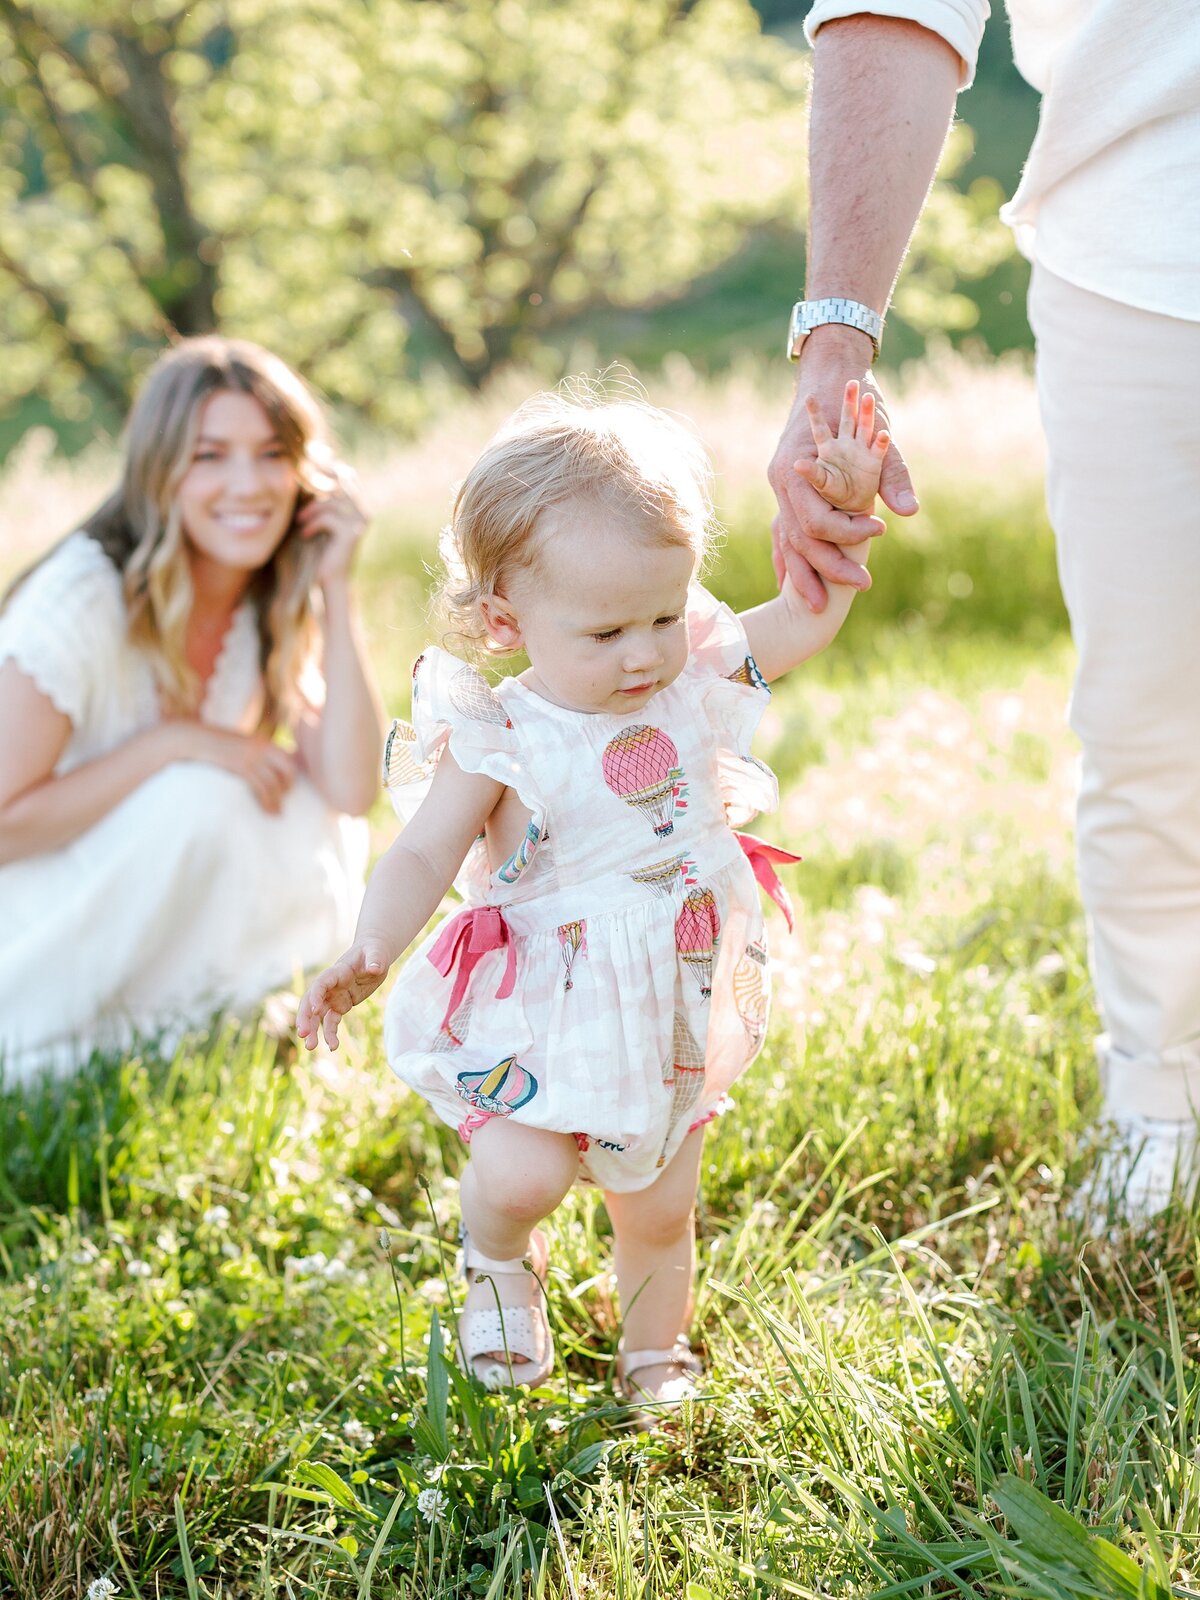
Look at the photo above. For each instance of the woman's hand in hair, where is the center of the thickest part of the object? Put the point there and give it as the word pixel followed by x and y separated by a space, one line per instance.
pixel 338 517
pixel 268 770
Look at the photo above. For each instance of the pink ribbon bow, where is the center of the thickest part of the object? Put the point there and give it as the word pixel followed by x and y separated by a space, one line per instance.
pixel 760 855
pixel 463 943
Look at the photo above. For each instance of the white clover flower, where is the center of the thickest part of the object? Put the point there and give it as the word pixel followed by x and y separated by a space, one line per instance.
pixel 101 1589
pixel 216 1217
pixel 306 1266
pixel 136 1269
pixel 432 1503
pixel 95 1397
pixel 357 1435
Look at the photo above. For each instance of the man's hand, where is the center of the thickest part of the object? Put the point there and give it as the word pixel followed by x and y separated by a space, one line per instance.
pixel 808 530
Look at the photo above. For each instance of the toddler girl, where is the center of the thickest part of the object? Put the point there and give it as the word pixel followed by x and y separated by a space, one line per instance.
pixel 586 1013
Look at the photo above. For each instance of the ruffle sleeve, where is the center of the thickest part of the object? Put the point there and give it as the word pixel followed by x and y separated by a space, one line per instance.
pixel 65 626
pixel 455 708
pixel 734 695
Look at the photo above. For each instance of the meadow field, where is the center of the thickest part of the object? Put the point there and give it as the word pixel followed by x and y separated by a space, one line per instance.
pixel 938 1362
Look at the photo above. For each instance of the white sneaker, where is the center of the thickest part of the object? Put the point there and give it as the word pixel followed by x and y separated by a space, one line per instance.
pixel 1148 1162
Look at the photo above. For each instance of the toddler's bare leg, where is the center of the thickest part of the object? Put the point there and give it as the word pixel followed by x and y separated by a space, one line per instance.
pixel 654 1236
pixel 515 1177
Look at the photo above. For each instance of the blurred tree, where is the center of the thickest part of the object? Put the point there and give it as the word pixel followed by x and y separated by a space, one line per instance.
pixel 371 189
pixel 102 249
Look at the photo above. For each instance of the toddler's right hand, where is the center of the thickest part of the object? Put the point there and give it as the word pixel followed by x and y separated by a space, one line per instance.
pixel 338 989
pixel 849 462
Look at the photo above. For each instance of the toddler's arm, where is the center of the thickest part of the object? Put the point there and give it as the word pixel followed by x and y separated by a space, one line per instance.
pixel 404 891
pixel 784 632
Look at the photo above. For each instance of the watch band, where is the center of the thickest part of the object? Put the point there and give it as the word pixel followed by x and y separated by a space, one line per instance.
pixel 810 314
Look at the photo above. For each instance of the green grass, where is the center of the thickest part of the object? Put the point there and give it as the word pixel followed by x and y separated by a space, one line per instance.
pixel 225 1297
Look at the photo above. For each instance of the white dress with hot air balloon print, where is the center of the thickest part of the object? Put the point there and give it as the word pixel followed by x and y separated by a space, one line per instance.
pixel 610 980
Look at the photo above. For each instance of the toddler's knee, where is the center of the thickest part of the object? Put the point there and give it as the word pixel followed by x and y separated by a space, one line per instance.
pixel 522 1176
pixel 654 1225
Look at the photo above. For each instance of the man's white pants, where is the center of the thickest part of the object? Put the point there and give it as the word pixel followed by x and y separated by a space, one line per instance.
pixel 1118 392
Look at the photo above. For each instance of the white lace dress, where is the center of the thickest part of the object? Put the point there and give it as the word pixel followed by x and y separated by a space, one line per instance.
pixel 186 898
pixel 610 980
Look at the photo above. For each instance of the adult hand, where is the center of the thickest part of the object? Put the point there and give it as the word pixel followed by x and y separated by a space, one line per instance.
pixel 338 989
pixel 265 767
pixel 807 532
pixel 339 516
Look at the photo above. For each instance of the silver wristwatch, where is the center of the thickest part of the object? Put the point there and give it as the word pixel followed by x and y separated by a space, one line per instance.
pixel 810 314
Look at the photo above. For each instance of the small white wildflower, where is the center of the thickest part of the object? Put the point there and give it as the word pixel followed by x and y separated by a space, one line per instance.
pixel 306 1266
pixel 216 1217
pixel 335 1270
pixel 101 1589
pixel 432 1503
pixel 136 1269
pixel 94 1397
pixel 357 1435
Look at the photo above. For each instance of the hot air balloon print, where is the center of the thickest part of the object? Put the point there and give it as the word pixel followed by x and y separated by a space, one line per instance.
pixel 641 765
pixel 748 673
pixel 452 1033
pixel 751 992
pixel 686 1082
pixel 401 764
pixel 471 694
pixel 662 877
pixel 572 939
pixel 500 1090
pixel 697 929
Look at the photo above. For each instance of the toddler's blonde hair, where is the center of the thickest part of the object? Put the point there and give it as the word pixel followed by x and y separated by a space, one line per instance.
pixel 573 443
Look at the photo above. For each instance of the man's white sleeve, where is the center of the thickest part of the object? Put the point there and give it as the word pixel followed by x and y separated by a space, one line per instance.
pixel 959 22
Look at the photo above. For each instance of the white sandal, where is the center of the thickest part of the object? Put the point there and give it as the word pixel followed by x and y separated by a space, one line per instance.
pixel 681 1383
pixel 517 1330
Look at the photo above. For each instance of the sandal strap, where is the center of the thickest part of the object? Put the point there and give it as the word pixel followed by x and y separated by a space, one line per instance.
pixel 473 1261
pixel 680 1354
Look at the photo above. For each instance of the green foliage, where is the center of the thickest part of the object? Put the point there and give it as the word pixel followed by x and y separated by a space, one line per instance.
pixel 373 191
pixel 402 198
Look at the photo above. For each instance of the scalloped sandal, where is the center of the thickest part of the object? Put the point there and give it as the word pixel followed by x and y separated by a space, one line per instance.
pixel 682 1383
pixel 522 1330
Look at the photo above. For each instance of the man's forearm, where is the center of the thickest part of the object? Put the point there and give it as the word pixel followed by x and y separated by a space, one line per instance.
pixel 883 95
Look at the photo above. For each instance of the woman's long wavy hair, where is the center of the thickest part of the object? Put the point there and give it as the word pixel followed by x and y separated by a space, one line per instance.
pixel 140 529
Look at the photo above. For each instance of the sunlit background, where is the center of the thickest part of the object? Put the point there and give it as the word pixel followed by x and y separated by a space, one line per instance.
pixel 217 1377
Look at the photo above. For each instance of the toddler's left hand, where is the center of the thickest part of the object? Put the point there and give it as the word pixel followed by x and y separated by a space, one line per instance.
pixel 846 471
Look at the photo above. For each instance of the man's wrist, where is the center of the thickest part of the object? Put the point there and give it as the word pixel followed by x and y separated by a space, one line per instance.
pixel 838 341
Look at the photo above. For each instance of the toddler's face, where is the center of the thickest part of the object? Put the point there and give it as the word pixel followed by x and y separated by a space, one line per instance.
pixel 602 614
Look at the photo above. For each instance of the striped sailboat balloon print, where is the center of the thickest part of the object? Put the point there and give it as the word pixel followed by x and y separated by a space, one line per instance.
pixel 500 1090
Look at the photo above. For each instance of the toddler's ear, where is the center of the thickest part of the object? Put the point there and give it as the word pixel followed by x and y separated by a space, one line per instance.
pixel 501 622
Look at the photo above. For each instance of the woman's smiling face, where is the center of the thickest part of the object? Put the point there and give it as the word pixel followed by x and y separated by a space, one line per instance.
pixel 238 495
